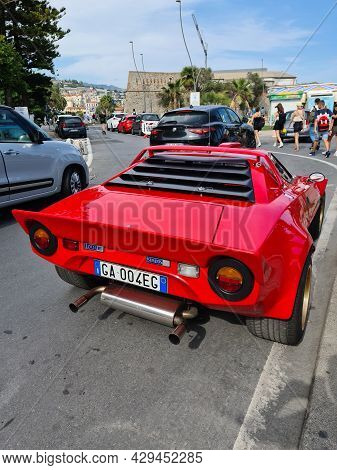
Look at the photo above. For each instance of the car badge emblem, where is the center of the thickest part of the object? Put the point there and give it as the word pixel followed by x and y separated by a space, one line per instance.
pixel 174 129
pixel 90 247
pixel 158 261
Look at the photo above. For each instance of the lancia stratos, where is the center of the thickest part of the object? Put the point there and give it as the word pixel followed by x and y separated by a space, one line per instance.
pixel 186 229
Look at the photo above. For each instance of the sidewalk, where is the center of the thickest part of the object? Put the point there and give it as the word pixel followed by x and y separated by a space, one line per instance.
pixel 320 430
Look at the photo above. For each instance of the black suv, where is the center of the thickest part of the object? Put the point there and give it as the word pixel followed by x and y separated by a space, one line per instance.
pixel 202 125
pixel 70 126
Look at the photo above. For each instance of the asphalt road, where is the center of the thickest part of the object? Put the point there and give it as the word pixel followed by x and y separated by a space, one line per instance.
pixel 102 379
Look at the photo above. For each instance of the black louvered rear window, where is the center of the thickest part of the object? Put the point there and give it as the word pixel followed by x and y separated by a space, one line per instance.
pixel 218 177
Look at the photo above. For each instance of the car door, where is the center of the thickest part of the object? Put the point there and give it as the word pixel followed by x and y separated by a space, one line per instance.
pixel 234 124
pixel 29 166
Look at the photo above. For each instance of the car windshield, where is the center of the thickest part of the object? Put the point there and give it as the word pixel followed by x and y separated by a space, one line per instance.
pixel 119 116
pixel 131 118
pixel 150 117
pixel 186 118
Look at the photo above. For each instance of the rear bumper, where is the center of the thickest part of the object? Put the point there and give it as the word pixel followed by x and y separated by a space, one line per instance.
pixel 203 141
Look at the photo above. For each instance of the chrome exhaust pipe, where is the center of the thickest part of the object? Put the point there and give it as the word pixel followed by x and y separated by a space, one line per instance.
pixel 157 308
pixel 77 304
pixel 176 335
pixel 154 307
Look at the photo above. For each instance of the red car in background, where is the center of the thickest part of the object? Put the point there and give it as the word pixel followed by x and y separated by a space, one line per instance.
pixel 125 125
pixel 187 228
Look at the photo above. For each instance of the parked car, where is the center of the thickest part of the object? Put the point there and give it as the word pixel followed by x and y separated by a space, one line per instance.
pixel 144 123
pixel 70 126
pixel 202 125
pixel 113 122
pixel 228 229
pixel 32 165
pixel 304 134
pixel 125 124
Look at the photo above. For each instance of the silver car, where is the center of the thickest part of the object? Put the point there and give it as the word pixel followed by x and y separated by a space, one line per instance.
pixel 32 165
pixel 289 126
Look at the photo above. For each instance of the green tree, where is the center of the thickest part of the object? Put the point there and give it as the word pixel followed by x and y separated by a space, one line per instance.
pixel 106 105
pixel 257 87
pixel 57 102
pixel 172 96
pixel 32 28
pixel 201 76
pixel 240 93
pixel 214 97
pixel 11 76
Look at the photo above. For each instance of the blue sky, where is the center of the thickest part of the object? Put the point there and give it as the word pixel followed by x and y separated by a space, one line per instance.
pixel 239 34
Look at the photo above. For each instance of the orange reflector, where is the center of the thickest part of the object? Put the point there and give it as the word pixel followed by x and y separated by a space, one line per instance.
pixel 229 279
pixel 41 239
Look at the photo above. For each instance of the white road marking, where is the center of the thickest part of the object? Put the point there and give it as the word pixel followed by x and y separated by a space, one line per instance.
pixel 307 158
pixel 273 376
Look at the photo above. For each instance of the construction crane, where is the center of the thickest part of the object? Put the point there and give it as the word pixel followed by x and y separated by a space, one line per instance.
pixel 204 45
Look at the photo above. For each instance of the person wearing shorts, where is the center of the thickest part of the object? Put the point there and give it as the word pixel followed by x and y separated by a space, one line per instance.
pixel 297 119
pixel 323 126
pixel 257 121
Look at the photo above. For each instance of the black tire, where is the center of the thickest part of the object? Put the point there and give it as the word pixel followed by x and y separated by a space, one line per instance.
pixel 316 225
pixel 248 140
pixel 79 280
pixel 289 332
pixel 72 182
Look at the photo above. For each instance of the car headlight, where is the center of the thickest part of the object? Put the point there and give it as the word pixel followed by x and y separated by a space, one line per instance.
pixel 230 279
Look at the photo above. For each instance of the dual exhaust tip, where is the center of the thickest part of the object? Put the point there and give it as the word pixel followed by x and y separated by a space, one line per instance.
pixel 154 307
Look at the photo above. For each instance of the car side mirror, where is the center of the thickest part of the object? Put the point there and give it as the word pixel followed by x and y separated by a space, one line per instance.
pixel 316 177
pixel 37 136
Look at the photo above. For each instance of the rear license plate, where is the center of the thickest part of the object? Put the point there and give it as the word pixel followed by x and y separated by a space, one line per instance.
pixel 131 276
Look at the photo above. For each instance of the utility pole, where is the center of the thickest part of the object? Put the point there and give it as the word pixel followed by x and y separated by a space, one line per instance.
pixel 149 91
pixel 139 75
pixel 203 44
pixel 185 42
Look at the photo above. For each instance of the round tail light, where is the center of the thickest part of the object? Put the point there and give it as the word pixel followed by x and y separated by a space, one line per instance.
pixel 230 279
pixel 42 239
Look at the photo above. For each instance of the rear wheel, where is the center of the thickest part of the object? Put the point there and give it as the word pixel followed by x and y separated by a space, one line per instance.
pixel 316 225
pixel 79 280
pixel 72 182
pixel 290 331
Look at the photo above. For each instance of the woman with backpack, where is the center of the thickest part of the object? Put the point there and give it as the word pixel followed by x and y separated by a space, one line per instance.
pixel 297 119
pixel 258 122
pixel 280 119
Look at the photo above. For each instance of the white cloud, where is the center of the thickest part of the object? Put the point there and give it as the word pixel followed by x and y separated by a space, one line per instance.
pixel 98 49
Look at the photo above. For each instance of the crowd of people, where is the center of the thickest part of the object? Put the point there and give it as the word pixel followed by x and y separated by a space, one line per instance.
pixel 322 126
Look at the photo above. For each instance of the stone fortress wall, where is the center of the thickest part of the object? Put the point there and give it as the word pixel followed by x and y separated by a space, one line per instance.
pixel 153 84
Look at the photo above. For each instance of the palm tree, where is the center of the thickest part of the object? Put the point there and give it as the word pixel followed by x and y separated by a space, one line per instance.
pixel 172 96
pixel 240 92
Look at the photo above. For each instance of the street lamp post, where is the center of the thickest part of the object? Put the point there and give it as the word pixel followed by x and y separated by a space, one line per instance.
pixel 140 78
pixel 185 42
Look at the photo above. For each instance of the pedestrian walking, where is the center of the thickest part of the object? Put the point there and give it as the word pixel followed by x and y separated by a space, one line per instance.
pixel 333 132
pixel 323 127
pixel 102 120
pixel 297 119
pixel 280 119
pixel 312 123
pixel 258 122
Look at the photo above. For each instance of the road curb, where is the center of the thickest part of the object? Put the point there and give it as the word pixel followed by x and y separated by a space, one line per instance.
pixel 319 430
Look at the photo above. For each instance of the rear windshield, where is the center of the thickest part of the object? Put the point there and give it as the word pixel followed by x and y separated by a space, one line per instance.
pixel 185 117
pixel 131 118
pixel 74 120
pixel 150 117
pixel 119 116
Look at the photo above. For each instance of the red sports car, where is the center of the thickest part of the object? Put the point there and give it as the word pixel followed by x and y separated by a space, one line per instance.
pixel 125 125
pixel 188 228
